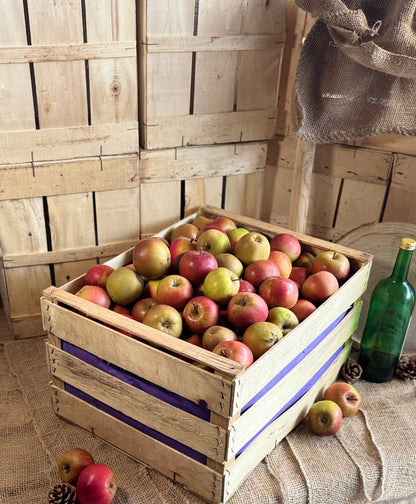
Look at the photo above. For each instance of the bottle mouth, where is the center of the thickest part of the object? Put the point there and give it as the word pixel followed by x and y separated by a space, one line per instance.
pixel 408 244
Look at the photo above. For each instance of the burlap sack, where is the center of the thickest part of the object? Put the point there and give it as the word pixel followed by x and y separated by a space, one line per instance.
pixel 357 71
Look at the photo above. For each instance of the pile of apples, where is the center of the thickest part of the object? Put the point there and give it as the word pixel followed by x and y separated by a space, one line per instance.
pixel 228 289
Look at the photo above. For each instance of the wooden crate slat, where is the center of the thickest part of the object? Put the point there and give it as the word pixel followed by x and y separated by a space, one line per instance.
pixel 244 194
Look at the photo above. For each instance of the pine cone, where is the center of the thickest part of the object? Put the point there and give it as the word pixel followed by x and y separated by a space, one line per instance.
pixel 351 371
pixel 63 493
pixel 406 367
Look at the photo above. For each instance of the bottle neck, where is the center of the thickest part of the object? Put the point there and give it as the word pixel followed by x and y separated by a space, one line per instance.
pixel 402 264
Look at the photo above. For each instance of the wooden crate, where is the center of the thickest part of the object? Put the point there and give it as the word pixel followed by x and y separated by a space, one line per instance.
pixel 209 70
pixel 204 427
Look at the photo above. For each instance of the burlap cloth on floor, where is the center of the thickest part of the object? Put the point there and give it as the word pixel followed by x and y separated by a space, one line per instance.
pixel 372 458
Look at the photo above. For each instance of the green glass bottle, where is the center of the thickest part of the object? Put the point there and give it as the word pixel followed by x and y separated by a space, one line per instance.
pixel 388 319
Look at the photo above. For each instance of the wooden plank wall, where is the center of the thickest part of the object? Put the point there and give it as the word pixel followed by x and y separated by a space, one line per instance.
pixel 367 181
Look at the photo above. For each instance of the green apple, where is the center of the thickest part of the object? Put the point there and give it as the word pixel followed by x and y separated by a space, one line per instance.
pixel 214 241
pixel 251 247
pixel 261 336
pixel 125 285
pixel 284 318
pixel 220 285
pixel 235 234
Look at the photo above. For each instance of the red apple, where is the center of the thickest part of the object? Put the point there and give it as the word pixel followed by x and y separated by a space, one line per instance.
pixel 285 319
pixel 287 243
pixel 299 274
pixel 151 257
pixel 174 265
pixel 305 260
pixel 213 240
pixel 174 290
pixel 215 334
pixel 95 294
pixel 96 484
pixel 165 318
pixel 194 339
pixel 279 291
pixel 346 396
pixel 283 262
pixel 325 418
pixel 252 247
pixel 123 310
pixel 196 264
pixel 141 307
pixel 200 313
pixel 180 245
pixel 335 262
pixel 72 462
pixel 236 351
pixel 220 285
pixel 258 271
pixel 186 229
pixel 245 308
pixel 319 286
pixel 261 336
pixel 125 285
pixel 224 223
pixel 98 274
pixel 303 308
pixel 246 286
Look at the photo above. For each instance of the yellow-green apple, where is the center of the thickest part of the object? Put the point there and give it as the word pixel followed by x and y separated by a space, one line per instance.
pixel 200 313
pixel 299 274
pixel 236 351
pixel 220 285
pixel 325 418
pixel 95 294
pixel 196 264
pixel 141 307
pixel 151 258
pixel 287 243
pixel 305 260
pixel 215 334
pixel 230 261
pixel 224 223
pixel 125 285
pixel 303 308
pixel 165 318
pixel 335 262
pixel 213 240
pixel 283 262
pixel 72 462
pixel 180 245
pixel 319 286
pixel 246 286
pixel 245 308
pixel 96 484
pixel 259 270
pixel 252 247
pixel 174 290
pixel 150 288
pixel 201 221
pixel 186 229
pixel 279 291
pixel 261 336
pixel 98 274
pixel 284 318
pixel 234 235
pixel 346 396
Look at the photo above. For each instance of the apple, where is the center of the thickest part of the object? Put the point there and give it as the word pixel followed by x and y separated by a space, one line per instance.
pixel 220 285
pixel 215 241
pixel 261 336
pixel 259 270
pixel 346 396
pixel 236 351
pixel 287 243
pixel 196 264
pixel 201 221
pixel 122 331
pixel 245 308
pixel 98 274
pixel 200 313
pixel 279 291
pixel 332 261
pixel 303 308
pixel 215 334
pixel 305 260
pixel 150 288
pixel 283 262
pixel 165 318
pixel 123 310
pixel 325 418
pixel 96 484
pixel 252 247
pixel 151 258
pixel 246 286
pixel 234 235
pixel 230 261
pixel 72 462
pixel 95 294
pixel 125 285
pixel 224 223
pixel 186 229
pixel 284 318
pixel 319 286
pixel 194 339
pixel 141 307
pixel 174 290
pixel 180 245
pixel 299 274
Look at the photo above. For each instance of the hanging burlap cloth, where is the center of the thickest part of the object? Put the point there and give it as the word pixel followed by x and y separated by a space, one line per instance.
pixel 372 458
pixel 357 71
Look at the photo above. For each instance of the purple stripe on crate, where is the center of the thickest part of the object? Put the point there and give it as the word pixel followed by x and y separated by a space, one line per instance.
pixel 199 457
